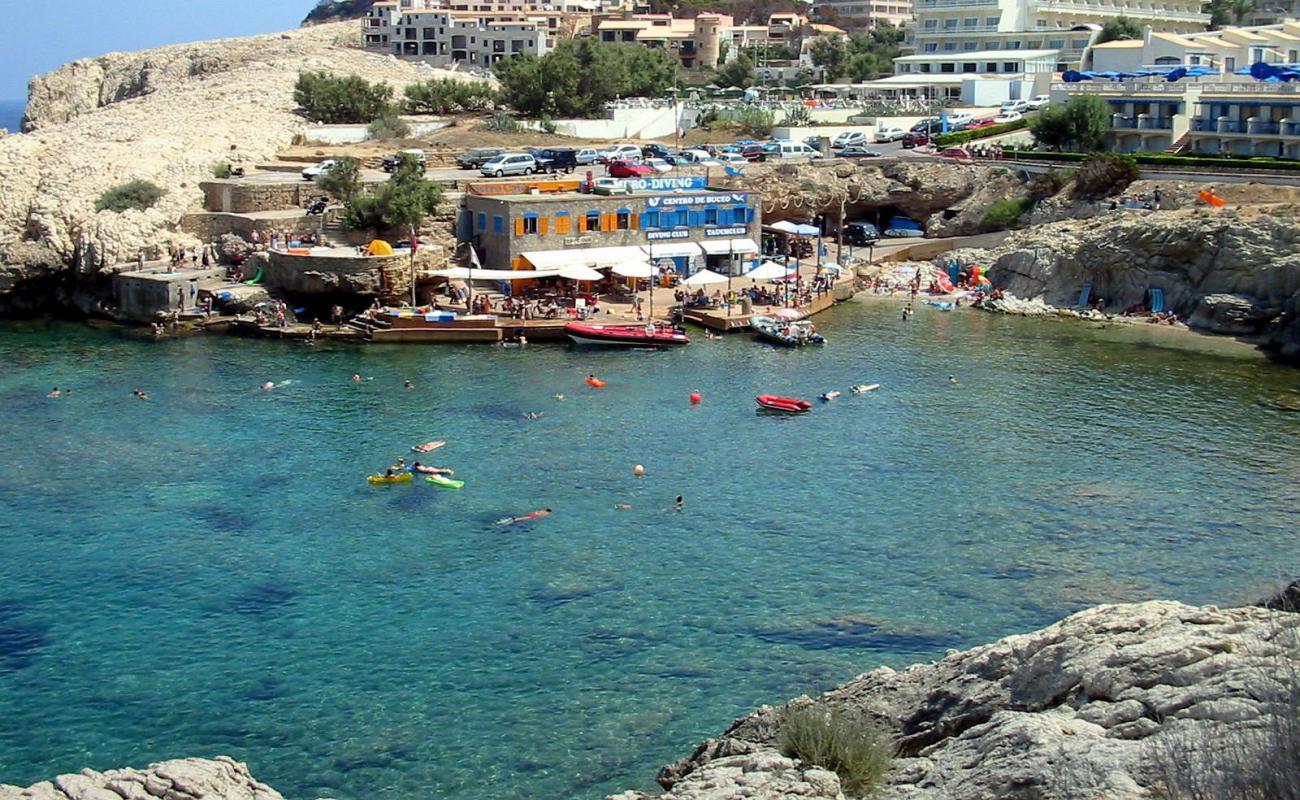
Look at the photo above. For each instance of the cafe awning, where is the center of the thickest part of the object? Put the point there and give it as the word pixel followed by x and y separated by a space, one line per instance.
pixel 578 272
pixel 737 246
pixel 463 273
pixel 596 257
pixel 671 249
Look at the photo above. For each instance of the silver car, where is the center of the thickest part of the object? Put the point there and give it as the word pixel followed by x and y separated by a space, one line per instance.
pixel 510 164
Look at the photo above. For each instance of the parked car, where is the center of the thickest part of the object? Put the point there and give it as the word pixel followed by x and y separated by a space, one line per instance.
pixel 981 123
pixel 733 160
pixel 654 150
pixel 958 153
pixel 848 139
pixel 1038 101
pixel 753 152
pixel 317 170
pixel 658 164
pixel 958 119
pixel 888 134
pixel 621 152
pixel 390 163
pixel 815 142
pixel 587 156
pixel 476 158
pixel 927 125
pixel 1019 106
pixel 1007 116
pixel 796 150
pixel 698 158
pixel 858 152
pixel 557 159
pixel 915 139
pixel 860 233
pixel 628 169
pixel 510 164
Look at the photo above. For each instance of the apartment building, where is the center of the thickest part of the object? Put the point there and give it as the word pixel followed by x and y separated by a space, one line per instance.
pixel 946 27
pixel 857 14
pixel 477 33
pixel 699 42
pixel 1215 110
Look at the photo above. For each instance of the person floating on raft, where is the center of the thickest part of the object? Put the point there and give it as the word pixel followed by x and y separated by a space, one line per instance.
pixel 425 469
pixel 538 514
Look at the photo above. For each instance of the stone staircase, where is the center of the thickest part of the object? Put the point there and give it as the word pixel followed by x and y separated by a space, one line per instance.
pixel 365 326
pixel 1180 144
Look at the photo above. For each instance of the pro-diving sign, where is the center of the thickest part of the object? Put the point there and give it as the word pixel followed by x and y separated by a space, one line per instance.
pixel 661 184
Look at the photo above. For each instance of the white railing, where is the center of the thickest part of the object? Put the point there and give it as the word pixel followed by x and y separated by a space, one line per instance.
pixel 1081 6
pixel 1120 88
pixel 954 3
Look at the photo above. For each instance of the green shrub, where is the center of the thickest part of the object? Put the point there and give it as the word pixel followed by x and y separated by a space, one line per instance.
pixel 503 123
pixel 1003 214
pixel 350 100
pixel 546 123
pixel 797 117
pixel 962 137
pixel 221 170
pixel 1104 174
pixel 755 121
pixel 845 742
pixel 448 96
pixel 136 195
pixel 388 126
pixel 1205 160
pixel 1046 184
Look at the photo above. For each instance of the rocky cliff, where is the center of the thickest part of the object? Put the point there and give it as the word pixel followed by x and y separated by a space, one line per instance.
pixel 221 778
pixel 1229 271
pixel 1090 707
pixel 166 116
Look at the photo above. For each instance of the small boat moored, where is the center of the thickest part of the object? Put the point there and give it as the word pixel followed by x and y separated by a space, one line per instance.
pixel 648 335
pixel 791 333
pixel 786 405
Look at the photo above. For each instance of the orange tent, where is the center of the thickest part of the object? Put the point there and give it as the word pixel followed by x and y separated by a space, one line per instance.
pixel 379 247
pixel 1211 198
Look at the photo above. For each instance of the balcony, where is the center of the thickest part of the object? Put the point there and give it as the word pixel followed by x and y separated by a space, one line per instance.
pixel 1290 128
pixel 1096 7
pixel 1264 128
pixel 953 3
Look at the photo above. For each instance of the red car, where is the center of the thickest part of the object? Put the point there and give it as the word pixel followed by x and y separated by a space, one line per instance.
pixel 959 153
pixel 981 123
pixel 915 139
pixel 622 169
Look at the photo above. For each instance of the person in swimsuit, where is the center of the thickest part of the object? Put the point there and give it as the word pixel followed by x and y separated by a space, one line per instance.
pixel 543 512
pixel 55 392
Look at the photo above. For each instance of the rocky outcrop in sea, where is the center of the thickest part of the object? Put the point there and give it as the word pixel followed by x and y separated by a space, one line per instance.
pixel 1226 271
pixel 220 778
pixel 1091 707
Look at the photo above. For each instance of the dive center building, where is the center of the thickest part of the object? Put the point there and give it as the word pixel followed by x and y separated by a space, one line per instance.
pixel 673 223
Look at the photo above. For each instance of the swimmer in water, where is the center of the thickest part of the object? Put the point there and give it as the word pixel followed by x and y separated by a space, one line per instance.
pixel 408 384
pixel 356 377
pixel 533 415
pixel 55 392
pixel 268 386
pixel 622 506
pixel 559 397
pixel 140 394
pixel 952 379
pixel 538 514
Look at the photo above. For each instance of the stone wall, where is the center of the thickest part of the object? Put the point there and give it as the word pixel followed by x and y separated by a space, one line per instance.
pixel 370 276
pixel 207 226
pixel 240 197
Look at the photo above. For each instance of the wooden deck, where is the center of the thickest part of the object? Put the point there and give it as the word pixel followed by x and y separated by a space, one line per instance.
pixel 719 320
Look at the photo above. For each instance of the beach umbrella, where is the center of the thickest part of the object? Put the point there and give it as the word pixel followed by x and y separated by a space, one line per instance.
pixel 705 277
pixel 785 226
pixel 768 270
pixel 579 272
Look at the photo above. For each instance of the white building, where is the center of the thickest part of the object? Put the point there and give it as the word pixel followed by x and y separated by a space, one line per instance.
pixel 1218 112
pixel 864 13
pixel 947 27
pixel 441 36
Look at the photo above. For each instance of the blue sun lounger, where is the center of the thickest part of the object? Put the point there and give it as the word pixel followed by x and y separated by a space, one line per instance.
pixel 1085 295
pixel 1157 300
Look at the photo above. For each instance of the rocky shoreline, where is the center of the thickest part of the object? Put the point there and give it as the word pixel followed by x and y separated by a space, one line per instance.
pixel 1090 707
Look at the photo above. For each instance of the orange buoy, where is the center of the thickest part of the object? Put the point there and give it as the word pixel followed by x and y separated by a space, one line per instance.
pixel 594 382
pixel 696 397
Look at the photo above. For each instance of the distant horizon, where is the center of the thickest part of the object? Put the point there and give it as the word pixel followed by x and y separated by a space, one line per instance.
pixel 89 28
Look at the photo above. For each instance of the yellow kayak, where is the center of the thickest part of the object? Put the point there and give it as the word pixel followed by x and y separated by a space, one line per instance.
pixel 401 478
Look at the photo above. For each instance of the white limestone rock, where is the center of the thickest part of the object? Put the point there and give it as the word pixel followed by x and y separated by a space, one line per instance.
pixel 221 778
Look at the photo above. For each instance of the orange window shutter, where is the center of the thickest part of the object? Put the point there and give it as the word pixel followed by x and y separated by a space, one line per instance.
pixel 608 223
pixel 634 221
pixel 582 224
pixel 562 224
pixel 542 224
pixel 519 227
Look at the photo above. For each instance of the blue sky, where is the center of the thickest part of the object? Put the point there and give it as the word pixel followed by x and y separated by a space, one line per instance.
pixel 44 36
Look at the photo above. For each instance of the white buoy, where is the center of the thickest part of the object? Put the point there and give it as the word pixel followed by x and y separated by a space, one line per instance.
pixel 638 470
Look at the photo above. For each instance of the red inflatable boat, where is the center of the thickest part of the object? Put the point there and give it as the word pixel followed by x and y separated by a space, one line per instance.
pixel 788 405
pixel 651 335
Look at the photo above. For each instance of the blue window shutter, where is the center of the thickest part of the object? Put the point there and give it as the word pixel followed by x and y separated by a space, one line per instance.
pixel 482 221
pixel 498 224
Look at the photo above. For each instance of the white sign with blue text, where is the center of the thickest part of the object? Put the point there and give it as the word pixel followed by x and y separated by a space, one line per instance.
pixel 695 200
pixel 660 184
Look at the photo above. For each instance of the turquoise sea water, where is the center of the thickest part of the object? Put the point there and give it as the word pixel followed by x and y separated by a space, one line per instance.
pixel 208 572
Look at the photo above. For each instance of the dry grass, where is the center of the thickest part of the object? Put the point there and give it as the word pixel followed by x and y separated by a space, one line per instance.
pixel 848 743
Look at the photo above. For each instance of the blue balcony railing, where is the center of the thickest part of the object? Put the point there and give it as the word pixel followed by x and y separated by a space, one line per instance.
pixel 1157 123
pixel 1291 128
pixel 1266 128
pixel 1125 123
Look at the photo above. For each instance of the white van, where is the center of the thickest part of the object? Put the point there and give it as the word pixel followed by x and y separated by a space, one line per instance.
pixel 796 150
